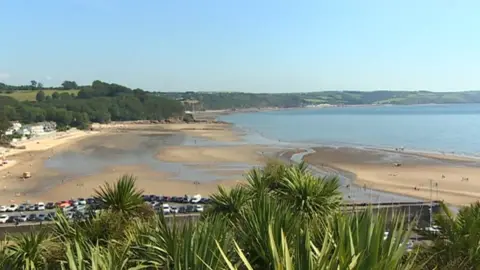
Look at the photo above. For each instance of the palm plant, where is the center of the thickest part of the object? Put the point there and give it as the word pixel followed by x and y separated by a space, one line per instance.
pixel 94 257
pixel 309 196
pixel 349 242
pixel 228 203
pixel 123 197
pixel 190 246
pixel 457 244
pixel 28 251
pixel 251 228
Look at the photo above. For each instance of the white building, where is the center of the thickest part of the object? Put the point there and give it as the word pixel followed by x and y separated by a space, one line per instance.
pixel 14 128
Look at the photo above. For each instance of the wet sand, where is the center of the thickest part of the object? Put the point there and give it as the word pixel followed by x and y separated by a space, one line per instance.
pixel 455 180
pixel 75 168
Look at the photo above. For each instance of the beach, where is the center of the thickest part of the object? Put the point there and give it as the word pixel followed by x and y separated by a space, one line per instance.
pixel 167 159
pixel 454 179
pixel 174 159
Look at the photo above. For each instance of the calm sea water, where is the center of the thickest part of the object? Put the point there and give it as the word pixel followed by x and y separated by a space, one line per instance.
pixel 444 128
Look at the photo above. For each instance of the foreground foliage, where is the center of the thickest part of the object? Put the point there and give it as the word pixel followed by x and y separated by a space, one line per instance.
pixel 282 218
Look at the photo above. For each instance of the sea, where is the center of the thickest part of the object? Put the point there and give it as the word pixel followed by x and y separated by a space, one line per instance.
pixel 452 128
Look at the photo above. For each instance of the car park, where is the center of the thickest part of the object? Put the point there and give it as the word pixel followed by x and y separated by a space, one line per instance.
pixel 3 208
pixel 3 218
pixel 12 208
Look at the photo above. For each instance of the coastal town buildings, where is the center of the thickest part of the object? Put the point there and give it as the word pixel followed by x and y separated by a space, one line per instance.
pixel 37 129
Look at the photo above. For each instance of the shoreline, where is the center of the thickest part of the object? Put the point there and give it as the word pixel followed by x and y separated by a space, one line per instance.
pixel 368 170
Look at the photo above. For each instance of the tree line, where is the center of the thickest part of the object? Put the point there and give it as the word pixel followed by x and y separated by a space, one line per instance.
pixel 35 85
pixel 99 102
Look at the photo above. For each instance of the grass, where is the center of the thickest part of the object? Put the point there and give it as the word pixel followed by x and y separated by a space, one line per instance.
pixel 29 95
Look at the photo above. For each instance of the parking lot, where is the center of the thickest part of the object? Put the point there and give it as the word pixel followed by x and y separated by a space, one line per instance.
pixel 23 214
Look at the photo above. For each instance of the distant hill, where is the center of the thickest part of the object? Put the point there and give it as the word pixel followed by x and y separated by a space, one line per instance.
pixel 235 100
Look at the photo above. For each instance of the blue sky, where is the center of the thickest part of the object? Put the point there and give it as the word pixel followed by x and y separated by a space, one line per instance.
pixel 248 45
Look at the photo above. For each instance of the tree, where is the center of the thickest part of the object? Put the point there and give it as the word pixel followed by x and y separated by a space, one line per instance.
pixel 33 83
pixel 55 95
pixel 69 85
pixel 456 245
pixel 40 96
pixel 123 197
pixel 4 126
pixel 40 85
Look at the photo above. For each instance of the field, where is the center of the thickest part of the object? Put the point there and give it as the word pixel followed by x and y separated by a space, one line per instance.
pixel 29 95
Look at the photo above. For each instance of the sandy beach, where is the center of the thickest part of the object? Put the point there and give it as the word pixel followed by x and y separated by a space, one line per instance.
pixel 72 165
pixel 456 180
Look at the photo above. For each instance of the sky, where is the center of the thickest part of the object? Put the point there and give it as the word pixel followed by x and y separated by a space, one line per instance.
pixel 244 45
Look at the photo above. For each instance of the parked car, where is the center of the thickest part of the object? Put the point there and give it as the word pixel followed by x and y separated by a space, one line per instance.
pixel 82 201
pixel 198 208
pixel 23 207
pixel 80 208
pixel 196 198
pixel 3 208
pixel 3 218
pixel 32 217
pixel 73 202
pixel 68 209
pixel 190 209
pixel 90 200
pixel 40 206
pixel 166 209
pixel 50 205
pixel 182 209
pixel 174 210
pixel 12 208
pixel 41 217
pixel 50 216
pixel 12 219
pixel 22 218
pixel 69 215
pixel 63 204
pixel 32 207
